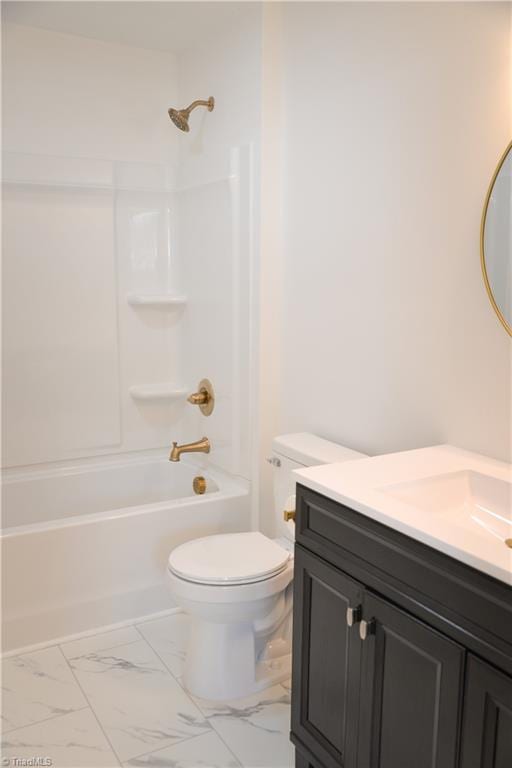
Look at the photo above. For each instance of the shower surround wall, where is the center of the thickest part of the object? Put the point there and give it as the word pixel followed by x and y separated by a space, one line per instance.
pixel 218 216
pixel 108 206
pixel 87 223
pixel 128 252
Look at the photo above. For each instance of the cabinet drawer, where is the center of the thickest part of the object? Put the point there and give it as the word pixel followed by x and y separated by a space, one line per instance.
pixel 469 606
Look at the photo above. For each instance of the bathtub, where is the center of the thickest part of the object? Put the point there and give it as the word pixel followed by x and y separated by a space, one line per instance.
pixel 85 544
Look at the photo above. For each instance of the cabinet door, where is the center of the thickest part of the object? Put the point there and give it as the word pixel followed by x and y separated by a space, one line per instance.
pixel 411 690
pixel 487 718
pixel 326 661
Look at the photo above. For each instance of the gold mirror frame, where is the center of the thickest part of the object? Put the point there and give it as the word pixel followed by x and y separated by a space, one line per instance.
pixel 498 311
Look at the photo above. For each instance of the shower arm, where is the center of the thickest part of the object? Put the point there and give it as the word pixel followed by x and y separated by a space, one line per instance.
pixel 199 103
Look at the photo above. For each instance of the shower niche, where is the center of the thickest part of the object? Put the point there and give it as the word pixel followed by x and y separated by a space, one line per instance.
pixel 151 305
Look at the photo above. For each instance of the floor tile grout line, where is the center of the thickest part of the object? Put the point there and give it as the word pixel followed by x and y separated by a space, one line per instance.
pixel 157 654
pixel 212 727
pixel 212 731
pixel 239 759
pixel 211 720
pixel 44 720
pixel 119 762
pixel 194 703
pixel 138 629
pixel 230 749
pixel 166 669
pixel 169 746
pixel 222 704
pixel 286 691
pixel 57 644
pixel 174 744
pixel 59 641
pixel 98 650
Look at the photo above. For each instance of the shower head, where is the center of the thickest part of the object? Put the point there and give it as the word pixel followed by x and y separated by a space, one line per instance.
pixel 180 116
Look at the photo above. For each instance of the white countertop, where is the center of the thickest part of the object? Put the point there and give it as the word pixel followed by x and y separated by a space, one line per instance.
pixel 369 487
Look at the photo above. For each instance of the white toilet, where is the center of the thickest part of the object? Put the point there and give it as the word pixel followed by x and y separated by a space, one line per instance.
pixel 237 588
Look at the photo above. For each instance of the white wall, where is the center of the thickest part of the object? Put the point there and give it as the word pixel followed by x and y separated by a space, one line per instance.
pixel 79 97
pixel 271 261
pixel 394 117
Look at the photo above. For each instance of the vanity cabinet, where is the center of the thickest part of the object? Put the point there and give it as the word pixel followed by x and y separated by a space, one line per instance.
pixel 392 665
pixel 487 727
pixel 390 700
pixel 327 657
pixel 411 679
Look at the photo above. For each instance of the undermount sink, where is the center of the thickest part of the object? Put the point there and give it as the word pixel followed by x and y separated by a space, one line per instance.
pixel 467 498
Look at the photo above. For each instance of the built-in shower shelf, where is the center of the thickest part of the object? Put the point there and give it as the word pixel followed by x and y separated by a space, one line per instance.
pixel 164 300
pixel 158 392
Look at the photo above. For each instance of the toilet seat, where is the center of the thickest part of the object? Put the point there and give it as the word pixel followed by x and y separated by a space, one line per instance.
pixel 228 559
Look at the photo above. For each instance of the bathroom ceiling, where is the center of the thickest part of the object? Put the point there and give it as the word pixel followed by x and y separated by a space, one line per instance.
pixel 161 26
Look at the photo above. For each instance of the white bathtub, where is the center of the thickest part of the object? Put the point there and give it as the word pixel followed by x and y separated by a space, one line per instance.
pixel 85 545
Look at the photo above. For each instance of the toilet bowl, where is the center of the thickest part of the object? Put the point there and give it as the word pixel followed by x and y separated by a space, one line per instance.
pixel 237 589
pixel 234 614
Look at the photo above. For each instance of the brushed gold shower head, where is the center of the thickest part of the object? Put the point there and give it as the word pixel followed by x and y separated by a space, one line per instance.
pixel 180 116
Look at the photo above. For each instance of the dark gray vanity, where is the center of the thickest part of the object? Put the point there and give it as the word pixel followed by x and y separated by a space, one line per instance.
pixel 402 654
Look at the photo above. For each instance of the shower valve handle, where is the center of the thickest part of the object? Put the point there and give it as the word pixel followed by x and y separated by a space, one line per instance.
pixel 199 398
pixel 204 398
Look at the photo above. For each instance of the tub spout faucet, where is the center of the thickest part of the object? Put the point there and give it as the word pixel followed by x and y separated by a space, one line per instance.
pixel 200 446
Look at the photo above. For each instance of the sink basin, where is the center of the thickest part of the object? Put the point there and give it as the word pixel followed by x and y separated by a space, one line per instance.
pixel 455 501
pixel 468 499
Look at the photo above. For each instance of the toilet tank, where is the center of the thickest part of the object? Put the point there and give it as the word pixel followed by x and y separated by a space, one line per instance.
pixel 295 451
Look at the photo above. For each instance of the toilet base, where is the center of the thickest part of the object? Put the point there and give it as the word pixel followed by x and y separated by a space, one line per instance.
pixel 221 664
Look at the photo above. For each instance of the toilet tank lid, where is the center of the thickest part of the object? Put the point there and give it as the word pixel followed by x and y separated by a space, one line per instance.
pixel 308 449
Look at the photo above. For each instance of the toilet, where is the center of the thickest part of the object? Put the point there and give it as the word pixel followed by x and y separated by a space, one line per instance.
pixel 237 588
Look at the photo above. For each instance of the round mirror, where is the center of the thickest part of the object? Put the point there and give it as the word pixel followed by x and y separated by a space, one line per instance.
pixel 496 240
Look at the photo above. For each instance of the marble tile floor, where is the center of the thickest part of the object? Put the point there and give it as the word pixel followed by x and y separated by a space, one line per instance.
pixel 115 699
